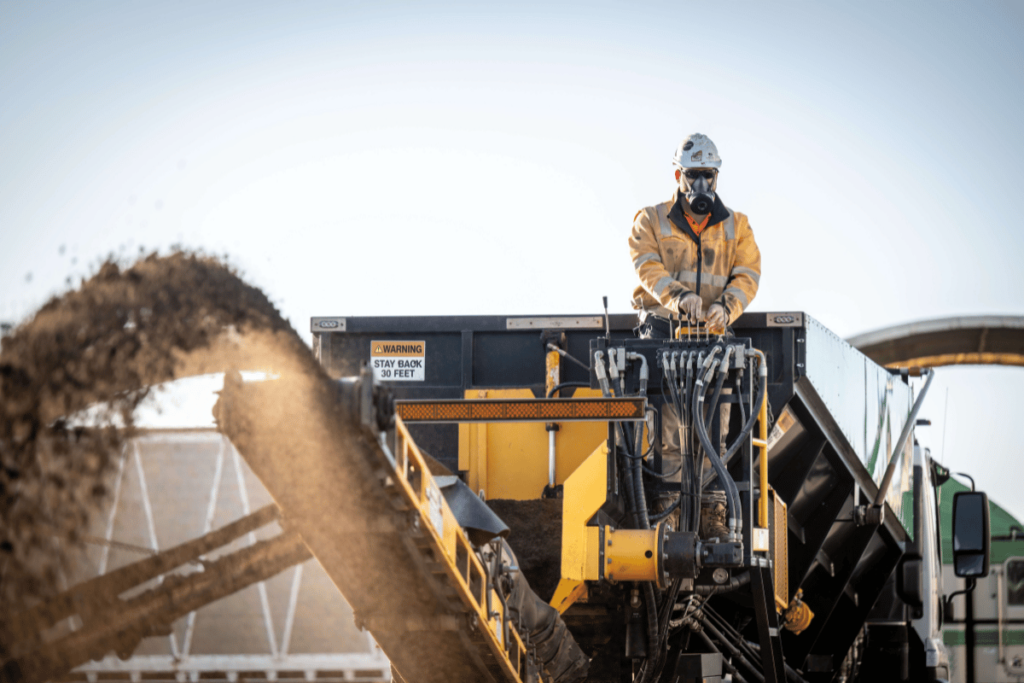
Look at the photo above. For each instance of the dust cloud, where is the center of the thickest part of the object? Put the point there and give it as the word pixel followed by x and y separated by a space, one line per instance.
pixel 100 348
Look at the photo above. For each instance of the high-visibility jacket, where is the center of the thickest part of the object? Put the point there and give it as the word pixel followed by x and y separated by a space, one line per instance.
pixel 722 264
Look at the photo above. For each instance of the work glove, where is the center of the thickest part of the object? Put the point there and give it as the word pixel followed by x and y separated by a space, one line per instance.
pixel 690 307
pixel 715 317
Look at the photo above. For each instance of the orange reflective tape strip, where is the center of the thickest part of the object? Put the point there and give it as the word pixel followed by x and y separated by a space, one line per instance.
pixel 523 410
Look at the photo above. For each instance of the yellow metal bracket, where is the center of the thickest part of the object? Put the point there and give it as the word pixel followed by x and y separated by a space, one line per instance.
pixel 567 593
pixel 583 494
pixel 592 553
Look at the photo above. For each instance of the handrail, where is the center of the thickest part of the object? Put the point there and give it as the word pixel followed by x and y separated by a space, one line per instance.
pixel 450 542
pixel 762 443
pixel 890 470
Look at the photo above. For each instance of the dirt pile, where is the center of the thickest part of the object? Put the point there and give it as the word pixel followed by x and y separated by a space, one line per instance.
pixel 535 538
pixel 105 344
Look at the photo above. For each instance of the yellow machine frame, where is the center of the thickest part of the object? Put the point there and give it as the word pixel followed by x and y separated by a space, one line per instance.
pixel 510 460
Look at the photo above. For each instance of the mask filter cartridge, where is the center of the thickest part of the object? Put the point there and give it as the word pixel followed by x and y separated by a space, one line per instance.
pixel 700 196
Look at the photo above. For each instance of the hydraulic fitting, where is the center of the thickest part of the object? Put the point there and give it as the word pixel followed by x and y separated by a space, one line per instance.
pixel 722 554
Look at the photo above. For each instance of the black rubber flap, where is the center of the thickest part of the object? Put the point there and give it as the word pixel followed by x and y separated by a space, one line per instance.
pixel 472 514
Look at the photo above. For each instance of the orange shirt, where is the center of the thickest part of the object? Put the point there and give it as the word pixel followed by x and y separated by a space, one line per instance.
pixel 697 227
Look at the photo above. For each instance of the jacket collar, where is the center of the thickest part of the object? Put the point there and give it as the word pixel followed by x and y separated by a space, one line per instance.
pixel 676 214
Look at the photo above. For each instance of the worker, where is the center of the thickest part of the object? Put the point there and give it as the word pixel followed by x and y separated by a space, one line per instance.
pixel 697 261
pixel 695 257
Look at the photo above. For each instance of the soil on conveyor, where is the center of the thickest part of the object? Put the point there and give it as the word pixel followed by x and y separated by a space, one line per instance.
pixel 100 348
pixel 535 536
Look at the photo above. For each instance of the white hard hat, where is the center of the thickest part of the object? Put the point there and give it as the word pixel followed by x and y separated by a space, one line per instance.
pixel 697 151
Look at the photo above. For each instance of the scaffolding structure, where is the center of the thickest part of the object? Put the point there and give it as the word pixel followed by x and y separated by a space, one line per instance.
pixel 173 485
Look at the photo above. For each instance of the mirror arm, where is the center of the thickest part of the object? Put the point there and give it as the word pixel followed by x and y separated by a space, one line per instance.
pixel 967 476
pixel 969 586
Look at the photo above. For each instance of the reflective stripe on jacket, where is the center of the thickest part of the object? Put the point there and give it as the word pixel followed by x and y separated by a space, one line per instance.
pixel 722 264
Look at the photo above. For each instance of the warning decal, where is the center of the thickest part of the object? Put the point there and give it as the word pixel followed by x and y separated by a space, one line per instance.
pixel 398 361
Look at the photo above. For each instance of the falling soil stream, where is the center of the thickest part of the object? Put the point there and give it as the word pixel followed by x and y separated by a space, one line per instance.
pixel 100 348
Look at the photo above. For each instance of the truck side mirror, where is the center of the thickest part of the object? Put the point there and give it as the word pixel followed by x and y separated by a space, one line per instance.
pixel 970 534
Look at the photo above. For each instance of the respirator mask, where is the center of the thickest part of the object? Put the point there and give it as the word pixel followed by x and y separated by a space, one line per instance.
pixel 698 186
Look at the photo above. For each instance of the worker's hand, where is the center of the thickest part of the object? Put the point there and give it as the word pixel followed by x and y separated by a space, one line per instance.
pixel 715 317
pixel 690 307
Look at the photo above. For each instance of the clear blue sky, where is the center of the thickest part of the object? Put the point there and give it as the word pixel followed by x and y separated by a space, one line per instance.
pixel 398 158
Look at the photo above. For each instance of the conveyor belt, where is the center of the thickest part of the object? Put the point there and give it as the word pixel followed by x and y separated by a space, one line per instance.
pixel 378 525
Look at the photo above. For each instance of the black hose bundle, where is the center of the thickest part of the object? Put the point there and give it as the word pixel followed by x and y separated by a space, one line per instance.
pixel 732 493
pixel 748 426
pixel 636 503
pixel 695 393
pixel 680 398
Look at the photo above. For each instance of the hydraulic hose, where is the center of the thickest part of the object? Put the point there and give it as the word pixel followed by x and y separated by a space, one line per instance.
pixel 627 487
pixel 725 662
pixel 706 363
pixel 633 469
pixel 617 376
pixel 651 605
pixel 630 474
pixel 709 367
pixel 734 583
pixel 682 429
pixel 674 359
pixel 666 611
pixel 638 494
pixel 751 650
pixel 652 668
pixel 633 459
pixel 606 390
pixel 654 431
pixel 687 445
pixel 690 358
pixel 638 437
pixel 644 372
pixel 565 385
pixel 791 673
pixel 666 372
pixel 731 632
pixel 739 392
pixel 638 442
pixel 661 475
pixel 614 374
pixel 658 516
pixel 723 373
pixel 748 426
pixel 762 389
pixel 686 492
pixel 602 374
pixel 698 463
pixel 733 650
pixel 732 494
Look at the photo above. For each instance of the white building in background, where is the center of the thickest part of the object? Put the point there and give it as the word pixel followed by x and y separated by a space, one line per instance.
pixel 176 483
